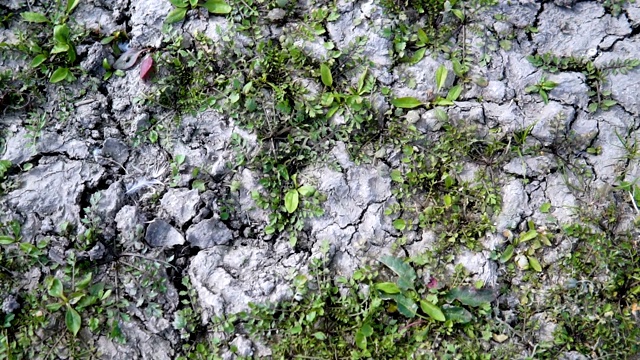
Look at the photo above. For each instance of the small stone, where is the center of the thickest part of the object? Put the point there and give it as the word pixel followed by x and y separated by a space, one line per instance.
pixel 161 234
pixel 276 15
pixel 116 150
pixel 10 304
pixel 97 252
pixel 180 204
pixel 208 233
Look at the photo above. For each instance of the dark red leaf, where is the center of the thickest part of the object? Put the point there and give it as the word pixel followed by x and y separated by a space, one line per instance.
pixel 145 67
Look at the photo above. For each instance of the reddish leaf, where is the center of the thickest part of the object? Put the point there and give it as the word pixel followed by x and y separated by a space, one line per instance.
pixel 145 67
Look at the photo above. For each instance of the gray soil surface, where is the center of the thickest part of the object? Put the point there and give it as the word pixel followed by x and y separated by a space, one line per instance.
pixel 108 176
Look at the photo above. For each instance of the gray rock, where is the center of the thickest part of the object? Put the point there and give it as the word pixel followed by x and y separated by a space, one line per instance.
pixel 571 89
pixel 140 344
pixel 10 304
pixel 478 264
pixel 562 200
pixel 244 346
pixel 228 279
pixel 111 200
pixel 276 15
pixel 364 21
pixel 115 149
pixel 69 179
pixel 161 234
pixel 147 17
pixel 423 75
pixel 495 91
pixel 624 87
pixel 180 204
pixel 209 233
pixel 514 206
pixel 97 252
pixel 94 58
pixel 576 31
pixel 127 219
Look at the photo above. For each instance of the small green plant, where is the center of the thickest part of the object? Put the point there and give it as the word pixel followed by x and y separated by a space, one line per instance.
pixel 524 256
pixel 542 88
pixel 393 319
pixel 60 44
pixel 441 78
pixel 219 7
pixel 596 76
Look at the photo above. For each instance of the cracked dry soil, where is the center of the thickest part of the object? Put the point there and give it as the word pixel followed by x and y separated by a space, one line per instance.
pixel 93 166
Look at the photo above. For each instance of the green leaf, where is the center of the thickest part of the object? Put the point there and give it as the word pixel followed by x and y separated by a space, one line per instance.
pixel 608 103
pixel 396 175
pixel 507 254
pixel 217 7
pixel 198 185
pixel 454 92
pixel 86 280
pixel 406 102
pixel 107 40
pixel 457 314
pixel 319 335
pixel 179 3
pixel 592 107
pixel 442 101
pixel 422 36
pixel 59 75
pixel 291 201
pixel 470 296
pixel 447 200
pixel 296 329
pixel 55 289
pixel 176 15
pixel 544 96
pixel 6 240
pixel 534 263
pixel 544 208
pixel 325 75
pixel 403 270
pixel 61 34
pixel 406 306
pixel 34 17
pixel 366 329
pixel 441 77
pixel 193 3
pixel 387 287
pixel 60 48
pixel 361 340
pixel 458 13
pixel 418 55
pixel 72 320
pixel 432 310
pixel 399 224
pixel 306 190
pixel 441 115
pixel 180 158
pixel 71 4
pixel 529 235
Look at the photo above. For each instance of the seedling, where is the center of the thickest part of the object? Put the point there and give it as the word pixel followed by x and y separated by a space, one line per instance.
pixel 542 88
pixel 218 7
